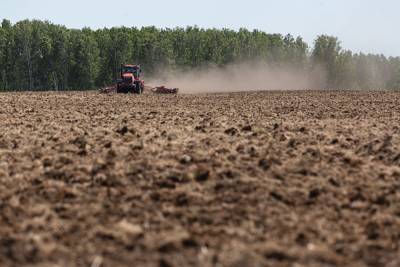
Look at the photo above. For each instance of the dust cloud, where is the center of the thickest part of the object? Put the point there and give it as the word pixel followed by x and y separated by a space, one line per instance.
pixel 239 77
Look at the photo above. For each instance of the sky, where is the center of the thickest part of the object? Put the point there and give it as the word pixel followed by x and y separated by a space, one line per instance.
pixel 367 26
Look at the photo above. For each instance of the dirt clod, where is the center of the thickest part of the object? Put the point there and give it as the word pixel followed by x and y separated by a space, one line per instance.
pixel 201 175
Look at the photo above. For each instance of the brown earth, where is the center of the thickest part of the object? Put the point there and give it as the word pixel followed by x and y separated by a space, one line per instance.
pixel 244 179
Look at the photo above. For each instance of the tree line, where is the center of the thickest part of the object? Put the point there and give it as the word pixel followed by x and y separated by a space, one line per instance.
pixel 39 55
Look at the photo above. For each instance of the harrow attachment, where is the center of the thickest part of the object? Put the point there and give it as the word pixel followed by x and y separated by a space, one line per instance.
pixel 164 90
pixel 161 90
pixel 107 90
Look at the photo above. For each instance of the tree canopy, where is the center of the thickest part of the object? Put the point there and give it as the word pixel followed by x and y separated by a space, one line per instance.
pixel 39 55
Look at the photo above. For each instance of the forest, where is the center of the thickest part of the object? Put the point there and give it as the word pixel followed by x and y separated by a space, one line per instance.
pixel 40 55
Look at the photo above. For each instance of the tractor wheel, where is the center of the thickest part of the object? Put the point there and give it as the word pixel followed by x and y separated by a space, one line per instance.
pixel 123 90
pixel 138 89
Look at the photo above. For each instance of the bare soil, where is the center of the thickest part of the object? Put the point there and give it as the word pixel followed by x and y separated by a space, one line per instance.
pixel 241 179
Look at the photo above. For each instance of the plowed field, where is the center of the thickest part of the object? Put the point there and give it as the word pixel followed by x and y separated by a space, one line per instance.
pixel 242 179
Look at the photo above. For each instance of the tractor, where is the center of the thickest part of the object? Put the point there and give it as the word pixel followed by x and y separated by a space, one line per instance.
pixel 130 81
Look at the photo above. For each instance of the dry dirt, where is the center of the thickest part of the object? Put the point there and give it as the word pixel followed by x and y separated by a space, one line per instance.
pixel 242 179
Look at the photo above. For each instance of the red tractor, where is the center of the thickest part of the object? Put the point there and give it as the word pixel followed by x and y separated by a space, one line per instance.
pixel 130 81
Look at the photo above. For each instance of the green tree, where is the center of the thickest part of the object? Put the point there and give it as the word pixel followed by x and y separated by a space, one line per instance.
pixel 345 71
pixel 325 53
pixel 24 55
pixel 58 58
pixel 7 45
pixel 83 62
pixel 3 43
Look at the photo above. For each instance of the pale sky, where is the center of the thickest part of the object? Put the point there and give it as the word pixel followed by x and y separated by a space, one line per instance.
pixel 361 25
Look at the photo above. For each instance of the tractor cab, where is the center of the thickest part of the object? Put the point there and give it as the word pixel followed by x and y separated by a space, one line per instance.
pixel 130 81
pixel 133 69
